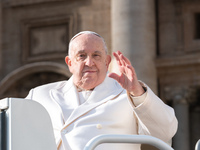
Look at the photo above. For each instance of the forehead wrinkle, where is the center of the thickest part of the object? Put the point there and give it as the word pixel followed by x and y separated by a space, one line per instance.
pixel 83 51
pixel 98 52
pixel 82 45
pixel 88 35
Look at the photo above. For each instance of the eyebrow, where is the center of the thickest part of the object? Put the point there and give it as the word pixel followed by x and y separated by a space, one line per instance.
pixel 83 51
pixel 98 52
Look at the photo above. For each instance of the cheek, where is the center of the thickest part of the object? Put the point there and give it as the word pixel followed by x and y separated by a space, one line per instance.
pixel 102 67
pixel 77 68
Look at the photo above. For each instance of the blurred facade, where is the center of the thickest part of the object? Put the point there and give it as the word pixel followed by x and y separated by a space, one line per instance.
pixel 160 37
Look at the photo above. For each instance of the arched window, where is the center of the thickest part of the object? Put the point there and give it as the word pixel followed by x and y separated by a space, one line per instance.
pixel 19 82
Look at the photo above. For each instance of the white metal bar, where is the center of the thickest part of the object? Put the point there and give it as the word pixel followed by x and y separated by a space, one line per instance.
pixel 112 138
pixel 197 146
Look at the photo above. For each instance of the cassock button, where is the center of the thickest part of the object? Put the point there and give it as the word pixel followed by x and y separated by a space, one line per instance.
pixel 99 126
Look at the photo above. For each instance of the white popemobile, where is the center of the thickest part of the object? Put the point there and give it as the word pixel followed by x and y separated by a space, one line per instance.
pixel 26 125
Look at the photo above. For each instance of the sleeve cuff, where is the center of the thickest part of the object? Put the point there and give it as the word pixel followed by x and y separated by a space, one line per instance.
pixel 136 101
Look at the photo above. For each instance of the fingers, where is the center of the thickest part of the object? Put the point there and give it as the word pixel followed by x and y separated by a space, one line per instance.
pixel 124 64
pixel 125 59
pixel 132 70
pixel 117 57
pixel 121 59
pixel 114 76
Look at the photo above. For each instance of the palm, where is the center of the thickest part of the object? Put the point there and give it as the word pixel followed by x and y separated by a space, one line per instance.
pixel 127 77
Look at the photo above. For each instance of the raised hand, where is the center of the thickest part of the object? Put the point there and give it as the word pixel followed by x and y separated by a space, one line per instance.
pixel 127 77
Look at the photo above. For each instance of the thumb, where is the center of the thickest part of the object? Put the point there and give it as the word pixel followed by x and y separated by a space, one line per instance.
pixel 114 76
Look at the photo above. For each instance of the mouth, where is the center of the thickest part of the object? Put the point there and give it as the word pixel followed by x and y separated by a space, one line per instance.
pixel 89 71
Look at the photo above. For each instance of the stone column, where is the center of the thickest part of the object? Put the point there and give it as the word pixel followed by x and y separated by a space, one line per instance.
pixel 133 33
pixel 181 139
pixel 1 35
pixel 179 97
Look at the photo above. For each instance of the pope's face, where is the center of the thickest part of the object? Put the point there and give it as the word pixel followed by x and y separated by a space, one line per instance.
pixel 88 61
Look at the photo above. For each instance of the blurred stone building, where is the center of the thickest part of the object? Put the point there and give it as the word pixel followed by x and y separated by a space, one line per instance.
pixel 160 37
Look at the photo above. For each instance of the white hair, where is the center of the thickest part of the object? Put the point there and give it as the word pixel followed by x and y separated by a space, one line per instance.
pixel 86 32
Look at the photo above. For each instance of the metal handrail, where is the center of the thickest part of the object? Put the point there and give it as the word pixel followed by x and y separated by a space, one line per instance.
pixel 197 146
pixel 137 139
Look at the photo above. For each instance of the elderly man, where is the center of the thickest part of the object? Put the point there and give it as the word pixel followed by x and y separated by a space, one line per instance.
pixel 94 102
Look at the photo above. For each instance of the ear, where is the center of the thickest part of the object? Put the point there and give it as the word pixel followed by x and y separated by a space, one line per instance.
pixel 68 61
pixel 108 60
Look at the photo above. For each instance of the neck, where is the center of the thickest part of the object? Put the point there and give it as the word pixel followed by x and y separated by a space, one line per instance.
pixel 79 89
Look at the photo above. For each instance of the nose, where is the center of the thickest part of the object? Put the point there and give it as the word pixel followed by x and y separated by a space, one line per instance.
pixel 89 62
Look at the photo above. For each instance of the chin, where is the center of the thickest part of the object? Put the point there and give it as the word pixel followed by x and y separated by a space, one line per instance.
pixel 88 85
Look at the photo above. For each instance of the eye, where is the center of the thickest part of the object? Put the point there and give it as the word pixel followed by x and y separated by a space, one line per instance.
pixel 96 56
pixel 81 56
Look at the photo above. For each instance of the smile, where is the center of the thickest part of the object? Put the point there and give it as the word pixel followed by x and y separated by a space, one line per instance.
pixel 89 71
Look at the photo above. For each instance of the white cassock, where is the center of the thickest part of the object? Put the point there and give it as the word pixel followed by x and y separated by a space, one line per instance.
pixel 77 117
